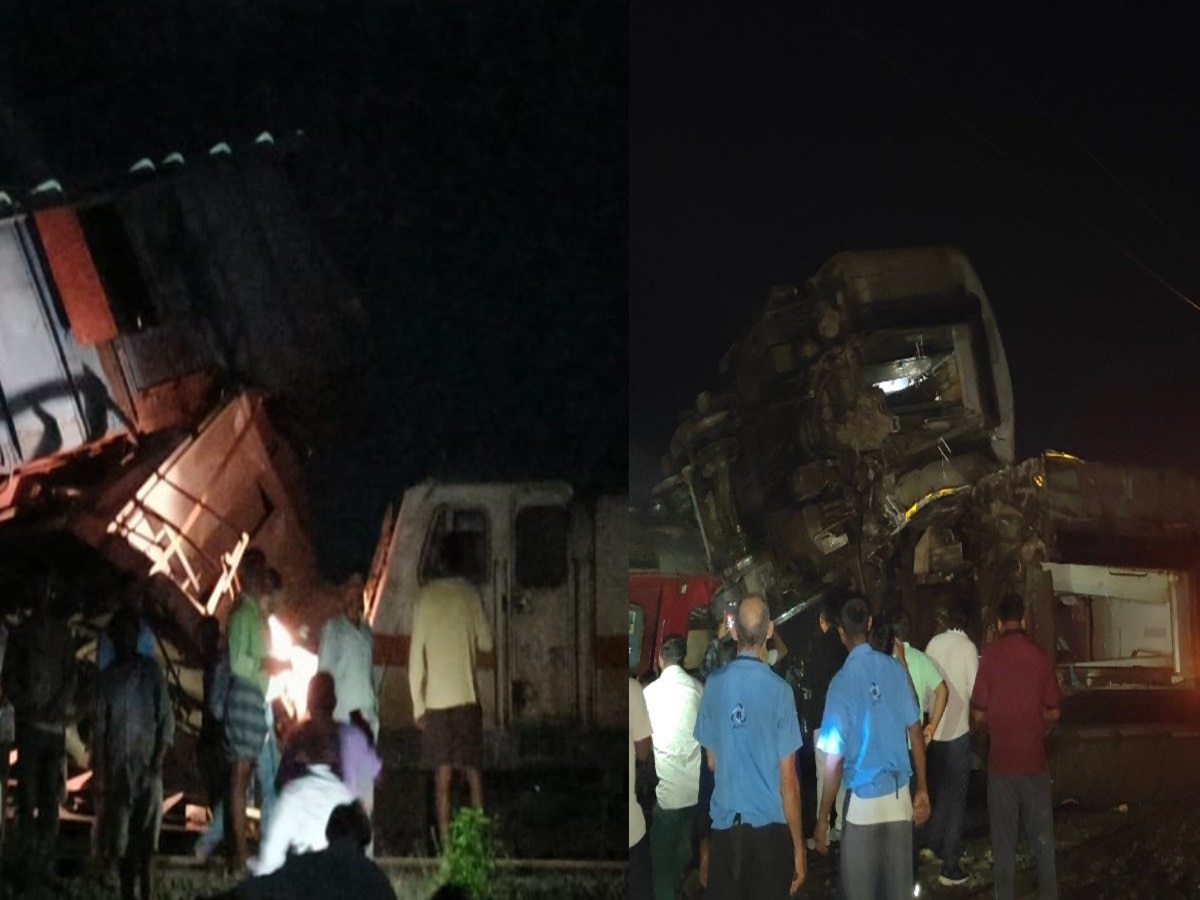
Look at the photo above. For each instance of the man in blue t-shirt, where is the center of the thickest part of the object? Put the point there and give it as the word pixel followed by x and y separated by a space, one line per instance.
pixel 748 727
pixel 870 717
pixel 133 597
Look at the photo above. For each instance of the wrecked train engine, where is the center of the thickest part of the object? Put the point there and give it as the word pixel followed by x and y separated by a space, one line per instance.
pixel 863 435
pixel 852 401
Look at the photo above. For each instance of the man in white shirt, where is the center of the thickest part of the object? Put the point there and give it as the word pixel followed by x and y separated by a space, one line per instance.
pixel 345 653
pixel 957 659
pixel 449 627
pixel 301 814
pixel 673 702
pixel 640 883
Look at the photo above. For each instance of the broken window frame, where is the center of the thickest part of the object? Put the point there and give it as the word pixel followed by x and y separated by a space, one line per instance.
pixel 116 262
pixel 435 531
pixel 927 351
pixel 1090 584
pixel 534 565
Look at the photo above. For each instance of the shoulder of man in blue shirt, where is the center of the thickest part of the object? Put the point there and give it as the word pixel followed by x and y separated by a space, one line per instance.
pixel 766 682
pixel 896 671
pixel 864 664
pixel 849 703
pixel 757 672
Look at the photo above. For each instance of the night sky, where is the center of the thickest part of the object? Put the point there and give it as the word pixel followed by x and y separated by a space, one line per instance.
pixel 1059 154
pixel 466 167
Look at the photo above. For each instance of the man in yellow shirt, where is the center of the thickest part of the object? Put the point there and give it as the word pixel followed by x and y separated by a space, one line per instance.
pixel 449 627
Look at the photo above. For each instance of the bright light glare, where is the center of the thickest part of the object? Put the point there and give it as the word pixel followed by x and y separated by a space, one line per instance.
pixel 292 684
pixel 830 741
pixel 892 385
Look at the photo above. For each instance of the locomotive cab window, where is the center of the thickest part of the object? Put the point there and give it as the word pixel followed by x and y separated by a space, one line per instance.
pixel 541 546
pixel 918 372
pixel 472 553
pixel 118 268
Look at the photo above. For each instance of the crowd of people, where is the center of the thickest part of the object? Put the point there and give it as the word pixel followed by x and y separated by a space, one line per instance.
pixel 720 749
pixel 311 773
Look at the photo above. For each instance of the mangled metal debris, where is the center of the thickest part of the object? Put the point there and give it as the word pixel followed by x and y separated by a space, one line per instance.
pixel 858 404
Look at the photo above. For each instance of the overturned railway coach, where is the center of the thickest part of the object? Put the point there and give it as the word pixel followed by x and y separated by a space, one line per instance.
pixel 159 334
pixel 146 326
pixel 863 434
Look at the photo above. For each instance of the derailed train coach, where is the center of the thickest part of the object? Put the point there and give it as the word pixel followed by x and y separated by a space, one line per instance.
pixel 863 434
pixel 1111 565
pixel 671 592
pixel 164 338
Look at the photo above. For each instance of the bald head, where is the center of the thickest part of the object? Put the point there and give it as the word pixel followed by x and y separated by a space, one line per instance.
pixel 753 625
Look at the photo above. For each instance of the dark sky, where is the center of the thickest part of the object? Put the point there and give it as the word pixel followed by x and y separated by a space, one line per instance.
pixel 1054 152
pixel 466 166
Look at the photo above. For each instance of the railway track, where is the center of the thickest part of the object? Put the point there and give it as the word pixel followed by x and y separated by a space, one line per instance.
pixel 186 878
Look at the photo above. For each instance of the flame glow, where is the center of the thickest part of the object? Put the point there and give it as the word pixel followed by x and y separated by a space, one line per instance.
pixel 292 684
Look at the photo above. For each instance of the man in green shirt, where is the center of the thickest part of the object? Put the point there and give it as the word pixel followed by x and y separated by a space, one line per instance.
pixel 927 682
pixel 251 667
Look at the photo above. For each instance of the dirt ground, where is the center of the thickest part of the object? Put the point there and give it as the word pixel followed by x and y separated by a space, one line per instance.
pixel 1142 850
pixel 1137 849
pixel 562 814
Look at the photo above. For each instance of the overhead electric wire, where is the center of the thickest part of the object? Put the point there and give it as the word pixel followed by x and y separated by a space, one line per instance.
pixel 1016 164
pixel 1083 148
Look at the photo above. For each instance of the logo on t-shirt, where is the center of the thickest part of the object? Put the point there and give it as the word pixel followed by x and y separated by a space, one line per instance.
pixel 738 716
pixel 876 694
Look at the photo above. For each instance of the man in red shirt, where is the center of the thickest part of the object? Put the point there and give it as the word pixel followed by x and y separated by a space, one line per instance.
pixel 1016 696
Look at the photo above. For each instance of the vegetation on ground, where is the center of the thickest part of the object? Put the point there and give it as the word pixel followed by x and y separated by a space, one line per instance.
pixel 469 857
